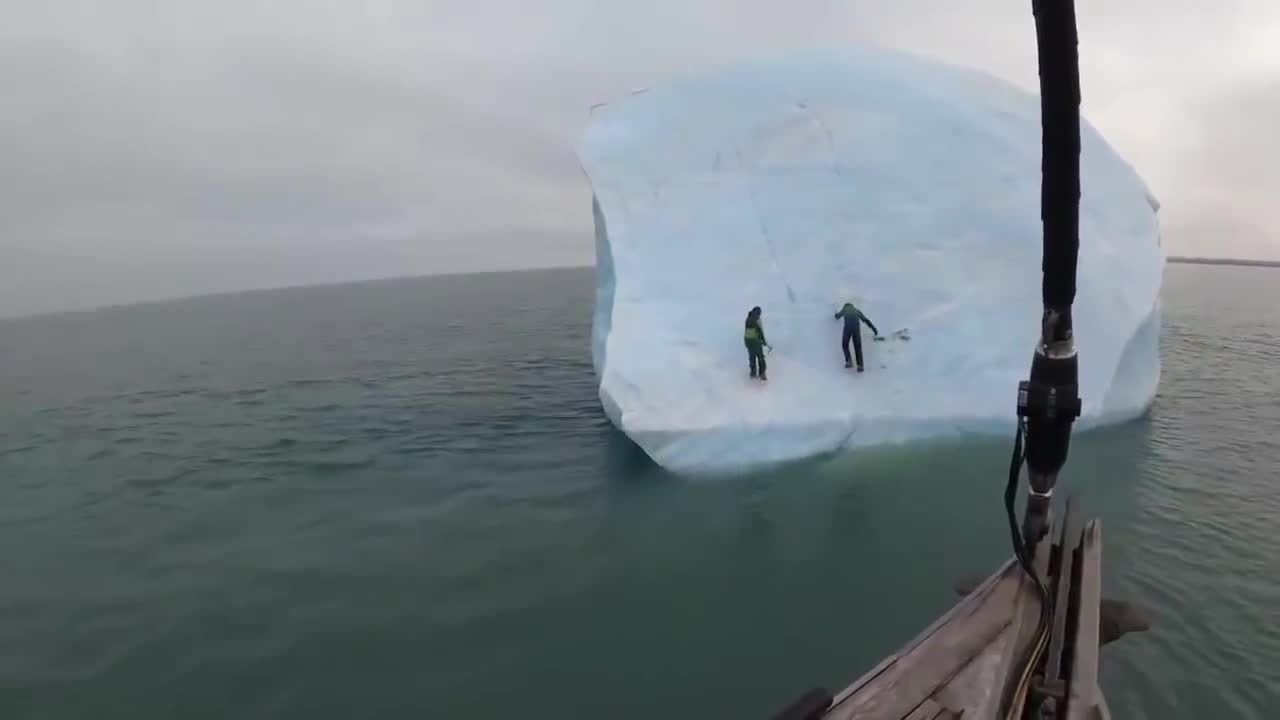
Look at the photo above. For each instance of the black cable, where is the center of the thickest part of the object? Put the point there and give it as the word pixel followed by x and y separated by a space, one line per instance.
pixel 1010 498
pixel 1022 553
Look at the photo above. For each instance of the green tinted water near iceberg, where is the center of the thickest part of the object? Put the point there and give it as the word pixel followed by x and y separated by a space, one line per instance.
pixel 402 500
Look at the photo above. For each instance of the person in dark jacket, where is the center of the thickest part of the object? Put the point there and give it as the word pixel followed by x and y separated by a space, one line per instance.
pixel 753 337
pixel 852 331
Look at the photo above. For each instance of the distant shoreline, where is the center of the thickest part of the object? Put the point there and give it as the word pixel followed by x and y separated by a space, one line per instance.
pixel 1185 260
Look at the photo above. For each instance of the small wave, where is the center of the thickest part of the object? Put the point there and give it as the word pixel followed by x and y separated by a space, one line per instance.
pixel 321 465
pixel 309 382
pixel 10 451
pixel 319 408
pixel 154 414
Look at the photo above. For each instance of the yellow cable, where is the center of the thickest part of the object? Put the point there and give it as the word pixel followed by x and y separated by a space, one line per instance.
pixel 1019 697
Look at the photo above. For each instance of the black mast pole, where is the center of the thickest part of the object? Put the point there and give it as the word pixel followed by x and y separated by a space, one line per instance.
pixel 1048 403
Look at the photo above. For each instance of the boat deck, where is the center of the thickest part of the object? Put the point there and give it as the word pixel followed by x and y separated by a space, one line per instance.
pixel 957 667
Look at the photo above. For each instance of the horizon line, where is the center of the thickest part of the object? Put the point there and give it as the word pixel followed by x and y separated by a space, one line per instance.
pixel 278 288
pixel 1173 259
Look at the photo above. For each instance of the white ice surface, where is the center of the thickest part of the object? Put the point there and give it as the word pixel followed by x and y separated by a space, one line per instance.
pixel 801 180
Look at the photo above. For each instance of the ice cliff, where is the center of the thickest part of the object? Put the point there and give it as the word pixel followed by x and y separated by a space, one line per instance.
pixel 802 180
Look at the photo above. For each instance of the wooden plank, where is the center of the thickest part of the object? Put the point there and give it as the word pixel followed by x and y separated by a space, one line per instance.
pixel 1085 700
pixel 930 710
pixel 973 687
pixel 964 607
pixel 1062 595
pixel 929 665
pixel 1026 619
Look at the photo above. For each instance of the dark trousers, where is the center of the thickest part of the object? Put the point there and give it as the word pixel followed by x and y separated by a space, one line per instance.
pixel 856 336
pixel 755 356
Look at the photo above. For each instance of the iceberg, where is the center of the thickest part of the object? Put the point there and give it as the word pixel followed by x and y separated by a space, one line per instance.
pixel 801 180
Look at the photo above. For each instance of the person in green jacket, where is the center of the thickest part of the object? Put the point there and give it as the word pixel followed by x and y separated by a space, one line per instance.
pixel 853 331
pixel 753 337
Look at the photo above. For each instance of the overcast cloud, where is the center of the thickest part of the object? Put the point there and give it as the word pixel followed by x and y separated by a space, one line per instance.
pixel 159 149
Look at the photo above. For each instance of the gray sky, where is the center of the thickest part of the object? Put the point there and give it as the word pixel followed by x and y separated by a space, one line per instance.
pixel 159 149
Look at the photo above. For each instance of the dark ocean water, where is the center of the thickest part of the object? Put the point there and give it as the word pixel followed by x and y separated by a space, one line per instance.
pixel 401 499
